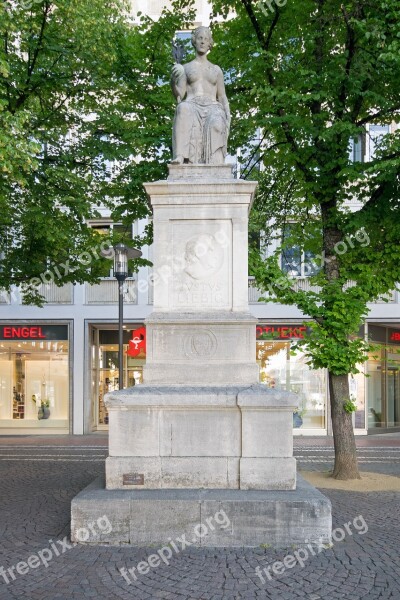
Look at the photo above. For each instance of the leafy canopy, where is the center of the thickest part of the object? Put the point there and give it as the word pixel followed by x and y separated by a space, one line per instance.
pixel 313 76
pixel 85 118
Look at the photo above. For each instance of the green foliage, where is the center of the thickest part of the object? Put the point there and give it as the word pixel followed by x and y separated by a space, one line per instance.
pixel 85 118
pixel 350 406
pixel 311 76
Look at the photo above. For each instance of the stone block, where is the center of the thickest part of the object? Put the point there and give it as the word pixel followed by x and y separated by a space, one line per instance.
pixel 153 520
pixel 268 473
pixel 122 469
pixel 188 436
pixel 208 349
pixel 213 518
pixel 134 432
pixel 172 472
pixel 267 433
pixel 204 432
pixel 90 519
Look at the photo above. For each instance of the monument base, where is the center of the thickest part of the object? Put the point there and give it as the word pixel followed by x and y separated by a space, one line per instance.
pixel 206 518
pixel 222 437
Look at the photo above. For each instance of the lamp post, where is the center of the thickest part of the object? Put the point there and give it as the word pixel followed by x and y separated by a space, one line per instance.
pixel 121 256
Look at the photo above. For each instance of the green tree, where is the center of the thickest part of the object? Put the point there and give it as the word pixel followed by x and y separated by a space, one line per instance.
pixel 312 76
pixel 85 116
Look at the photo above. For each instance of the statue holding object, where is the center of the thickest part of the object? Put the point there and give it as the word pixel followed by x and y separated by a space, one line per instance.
pixel 202 116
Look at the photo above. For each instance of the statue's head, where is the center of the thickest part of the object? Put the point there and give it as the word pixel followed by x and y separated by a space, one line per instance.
pixel 204 31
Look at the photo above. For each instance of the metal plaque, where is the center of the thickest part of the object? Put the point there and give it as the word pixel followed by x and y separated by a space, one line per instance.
pixel 133 479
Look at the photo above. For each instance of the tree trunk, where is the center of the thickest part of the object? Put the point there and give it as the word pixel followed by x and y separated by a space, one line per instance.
pixel 346 463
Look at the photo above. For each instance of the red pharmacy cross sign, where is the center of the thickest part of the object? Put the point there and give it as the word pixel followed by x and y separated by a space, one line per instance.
pixel 137 345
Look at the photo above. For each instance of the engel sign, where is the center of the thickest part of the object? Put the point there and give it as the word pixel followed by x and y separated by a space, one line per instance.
pixel 31 333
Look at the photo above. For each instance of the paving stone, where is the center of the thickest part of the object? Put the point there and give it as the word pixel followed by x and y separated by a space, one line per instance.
pixel 35 513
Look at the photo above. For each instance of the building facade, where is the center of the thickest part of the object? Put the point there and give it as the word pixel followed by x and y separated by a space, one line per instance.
pixel 58 362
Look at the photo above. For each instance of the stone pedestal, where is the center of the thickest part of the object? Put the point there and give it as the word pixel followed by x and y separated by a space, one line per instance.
pixel 201 420
pixel 155 517
pixel 201 437
pixel 201 331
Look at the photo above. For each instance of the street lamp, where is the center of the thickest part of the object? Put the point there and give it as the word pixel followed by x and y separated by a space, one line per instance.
pixel 121 256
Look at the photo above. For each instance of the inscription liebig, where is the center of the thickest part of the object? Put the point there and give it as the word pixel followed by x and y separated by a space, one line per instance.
pixel 207 293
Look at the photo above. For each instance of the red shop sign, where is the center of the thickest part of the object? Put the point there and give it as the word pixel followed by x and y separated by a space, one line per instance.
pixel 27 333
pixel 281 332
pixel 137 345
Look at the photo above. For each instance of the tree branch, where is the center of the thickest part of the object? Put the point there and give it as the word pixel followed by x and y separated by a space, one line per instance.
pixel 381 113
pixel 264 40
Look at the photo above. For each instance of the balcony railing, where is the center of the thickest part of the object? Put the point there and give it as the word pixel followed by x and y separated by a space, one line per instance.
pixel 54 294
pixel 4 297
pixel 304 284
pixel 106 292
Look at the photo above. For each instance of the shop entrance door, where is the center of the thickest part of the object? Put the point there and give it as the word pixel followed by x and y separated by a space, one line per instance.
pixel 105 373
pixel 393 395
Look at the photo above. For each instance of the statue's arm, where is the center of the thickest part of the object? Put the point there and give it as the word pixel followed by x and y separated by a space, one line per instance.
pixel 221 95
pixel 178 82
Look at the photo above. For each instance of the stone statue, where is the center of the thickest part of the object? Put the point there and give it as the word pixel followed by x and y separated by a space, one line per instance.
pixel 202 117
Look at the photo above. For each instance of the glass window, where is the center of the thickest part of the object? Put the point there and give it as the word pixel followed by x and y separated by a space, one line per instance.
pixel 296 262
pixel 182 46
pixel 357 384
pixel 34 382
pixel 393 386
pixel 376 417
pixel 356 153
pixel 375 138
pixel 280 369
pixel 105 373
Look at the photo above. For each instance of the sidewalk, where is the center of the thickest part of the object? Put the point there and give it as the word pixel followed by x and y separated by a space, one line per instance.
pixel 389 440
pixel 41 474
pixel 97 439
pixel 100 439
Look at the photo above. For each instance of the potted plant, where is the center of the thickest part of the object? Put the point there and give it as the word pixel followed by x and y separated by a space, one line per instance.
pixel 297 418
pixel 44 409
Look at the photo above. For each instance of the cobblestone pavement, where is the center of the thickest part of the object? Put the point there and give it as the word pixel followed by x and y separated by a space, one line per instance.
pixel 381 459
pixel 38 483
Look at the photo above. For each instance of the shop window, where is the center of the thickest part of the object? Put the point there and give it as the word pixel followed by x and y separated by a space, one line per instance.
pixel 393 386
pixel 282 370
pixel 34 376
pixel 376 415
pixel 105 376
pixel 357 385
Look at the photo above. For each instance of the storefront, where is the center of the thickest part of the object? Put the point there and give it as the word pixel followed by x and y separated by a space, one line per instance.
pixel 282 366
pixel 104 358
pixel 283 369
pixel 383 382
pixel 35 377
